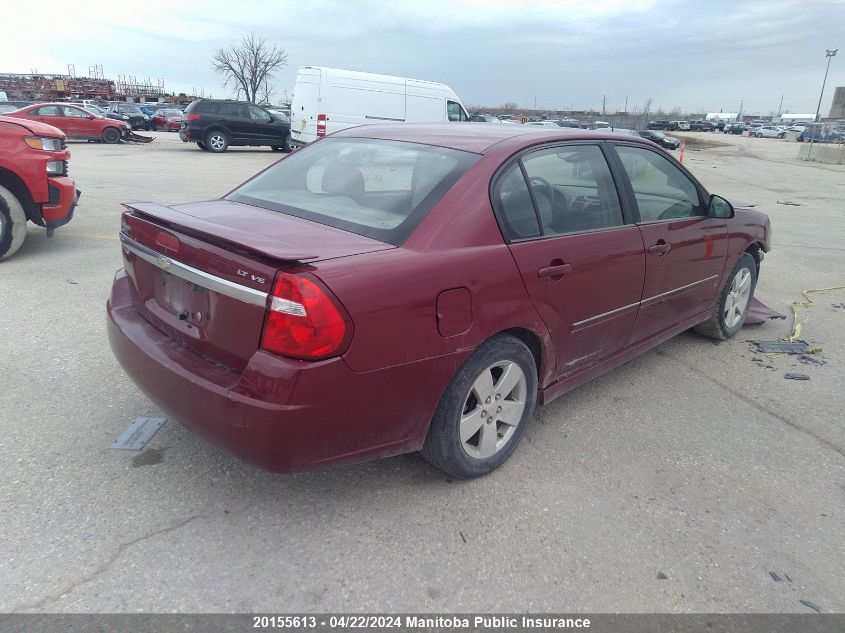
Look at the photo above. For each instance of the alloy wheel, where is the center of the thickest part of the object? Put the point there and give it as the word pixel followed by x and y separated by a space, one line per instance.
pixel 737 299
pixel 493 409
pixel 216 142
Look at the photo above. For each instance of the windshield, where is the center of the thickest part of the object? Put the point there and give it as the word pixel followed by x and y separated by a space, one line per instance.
pixel 130 109
pixel 171 112
pixel 379 189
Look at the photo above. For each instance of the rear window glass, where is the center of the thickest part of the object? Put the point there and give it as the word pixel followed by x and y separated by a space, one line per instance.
pixel 379 189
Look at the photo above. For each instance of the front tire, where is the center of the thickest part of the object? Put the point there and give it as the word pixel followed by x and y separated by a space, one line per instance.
pixel 759 135
pixel 111 135
pixel 731 306
pixel 485 410
pixel 12 224
pixel 217 141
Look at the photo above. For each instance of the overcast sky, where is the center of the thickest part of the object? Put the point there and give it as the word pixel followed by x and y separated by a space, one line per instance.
pixel 699 56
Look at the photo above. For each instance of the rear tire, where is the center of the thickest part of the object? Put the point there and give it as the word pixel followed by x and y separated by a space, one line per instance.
pixel 759 135
pixel 111 135
pixel 730 309
pixel 485 409
pixel 217 141
pixel 12 223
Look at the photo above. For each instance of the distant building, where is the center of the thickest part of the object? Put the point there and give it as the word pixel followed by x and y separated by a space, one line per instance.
pixel 837 109
pixel 721 116
pixel 791 118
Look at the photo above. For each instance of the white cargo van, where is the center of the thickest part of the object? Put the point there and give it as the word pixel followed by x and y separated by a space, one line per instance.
pixel 326 100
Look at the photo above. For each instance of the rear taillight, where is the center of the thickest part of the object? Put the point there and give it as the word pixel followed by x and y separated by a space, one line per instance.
pixel 192 117
pixel 321 125
pixel 303 321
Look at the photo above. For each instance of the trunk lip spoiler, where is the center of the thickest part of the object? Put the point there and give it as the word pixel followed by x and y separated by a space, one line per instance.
pixel 194 275
pixel 251 242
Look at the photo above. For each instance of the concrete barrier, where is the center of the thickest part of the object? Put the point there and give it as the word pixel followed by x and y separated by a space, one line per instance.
pixel 822 153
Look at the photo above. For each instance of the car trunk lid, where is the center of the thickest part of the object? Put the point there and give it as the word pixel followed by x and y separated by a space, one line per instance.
pixel 202 272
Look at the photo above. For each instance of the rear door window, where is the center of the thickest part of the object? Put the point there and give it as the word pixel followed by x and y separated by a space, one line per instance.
pixel 49 110
pixel 379 189
pixel 232 111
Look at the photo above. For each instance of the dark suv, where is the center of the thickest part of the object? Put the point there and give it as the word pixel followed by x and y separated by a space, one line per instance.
pixel 215 124
pixel 129 113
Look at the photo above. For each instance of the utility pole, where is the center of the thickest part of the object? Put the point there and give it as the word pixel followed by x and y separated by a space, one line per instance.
pixel 829 54
pixel 603 101
pixel 780 107
pixel 739 116
pixel 626 104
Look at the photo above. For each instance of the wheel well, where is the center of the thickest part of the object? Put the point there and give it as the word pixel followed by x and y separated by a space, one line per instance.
pixel 13 183
pixel 755 250
pixel 532 342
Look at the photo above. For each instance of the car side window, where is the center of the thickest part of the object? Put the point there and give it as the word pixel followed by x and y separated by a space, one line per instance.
pixel 49 111
pixel 75 113
pixel 662 191
pixel 231 110
pixel 573 189
pixel 516 208
pixel 257 114
pixel 455 112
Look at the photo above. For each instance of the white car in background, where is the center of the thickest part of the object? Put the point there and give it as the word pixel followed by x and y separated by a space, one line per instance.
pixel 767 131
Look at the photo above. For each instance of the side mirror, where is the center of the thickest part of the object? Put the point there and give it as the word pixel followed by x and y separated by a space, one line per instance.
pixel 718 207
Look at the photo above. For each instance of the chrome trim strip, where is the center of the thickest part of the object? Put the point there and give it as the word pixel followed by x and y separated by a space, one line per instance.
pixel 662 295
pixel 580 325
pixel 382 118
pixel 194 275
pixel 587 322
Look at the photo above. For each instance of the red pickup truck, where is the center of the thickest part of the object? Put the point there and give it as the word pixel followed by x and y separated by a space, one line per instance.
pixel 34 184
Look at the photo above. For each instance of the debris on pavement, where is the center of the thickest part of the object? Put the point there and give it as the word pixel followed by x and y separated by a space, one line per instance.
pixel 789 203
pixel 775 577
pixel 137 434
pixel 72 281
pixel 759 313
pixel 791 375
pixel 662 576
pixel 784 347
pixel 814 607
pixel 807 303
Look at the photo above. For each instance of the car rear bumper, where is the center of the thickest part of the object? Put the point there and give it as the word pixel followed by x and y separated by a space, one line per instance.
pixel 279 414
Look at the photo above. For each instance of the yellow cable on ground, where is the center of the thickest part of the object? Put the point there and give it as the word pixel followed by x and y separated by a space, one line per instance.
pixel 808 303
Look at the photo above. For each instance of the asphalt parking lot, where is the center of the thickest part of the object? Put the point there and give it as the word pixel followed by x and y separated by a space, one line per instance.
pixel 695 461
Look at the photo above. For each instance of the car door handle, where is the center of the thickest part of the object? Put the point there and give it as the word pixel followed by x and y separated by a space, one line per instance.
pixel 555 270
pixel 660 249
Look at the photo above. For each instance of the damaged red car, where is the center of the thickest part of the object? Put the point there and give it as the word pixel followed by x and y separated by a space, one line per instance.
pixel 421 288
pixel 75 122
pixel 167 119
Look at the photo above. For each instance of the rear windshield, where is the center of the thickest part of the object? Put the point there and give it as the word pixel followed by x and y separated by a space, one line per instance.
pixel 379 189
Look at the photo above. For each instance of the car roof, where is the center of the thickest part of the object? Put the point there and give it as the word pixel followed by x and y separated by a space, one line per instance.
pixel 471 137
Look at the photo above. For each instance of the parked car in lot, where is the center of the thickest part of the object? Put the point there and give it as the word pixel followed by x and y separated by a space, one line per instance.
pixel 821 133
pixel 34 181
pixel 76 122
pixel 168 119
pixel 767 131
pixel 215 124
pixel 734 128
pixel 92 108
pixel 573 123
pixel 484 118
pixel 675 126
pixel 661 124
pixel 666 142
pixel 129 113
pixel 394 288
pixel 700 126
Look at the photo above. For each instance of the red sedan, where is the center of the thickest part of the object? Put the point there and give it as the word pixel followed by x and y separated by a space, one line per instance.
pixel 75 121
pixel 167 119
pixel 421 287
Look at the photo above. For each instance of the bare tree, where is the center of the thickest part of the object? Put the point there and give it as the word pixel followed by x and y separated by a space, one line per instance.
pixel 249 65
